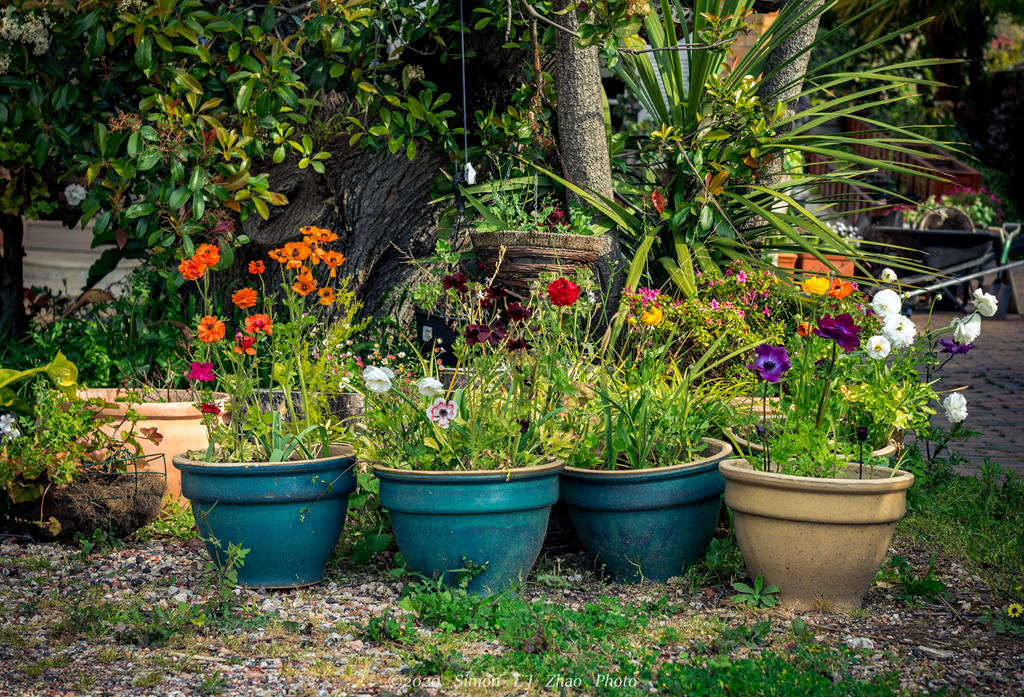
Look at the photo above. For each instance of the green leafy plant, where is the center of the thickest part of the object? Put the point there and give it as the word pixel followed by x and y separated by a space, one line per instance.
pixel 914 585
pixel 757 595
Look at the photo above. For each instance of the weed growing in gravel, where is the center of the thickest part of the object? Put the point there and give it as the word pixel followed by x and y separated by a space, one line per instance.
pixel 100 541
pixel 212 683
pixel 722 564
pixel 149 679
pixel 174 522
pixel 913 586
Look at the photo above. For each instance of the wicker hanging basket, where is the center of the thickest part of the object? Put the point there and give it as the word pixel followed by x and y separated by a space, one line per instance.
pixel 529 254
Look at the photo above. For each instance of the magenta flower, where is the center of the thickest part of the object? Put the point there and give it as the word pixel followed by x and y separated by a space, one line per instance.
pixel 442 412
pixel 203 372
pixel 840 329
pixel 770 362
pixel 953 347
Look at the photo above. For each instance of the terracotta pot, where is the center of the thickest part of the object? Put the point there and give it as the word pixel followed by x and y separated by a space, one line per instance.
pixel 810 263
pixel 821 541
pixel 786 260
pixel 177 420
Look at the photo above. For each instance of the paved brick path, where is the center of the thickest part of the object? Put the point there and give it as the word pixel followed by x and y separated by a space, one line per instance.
pixel 993 374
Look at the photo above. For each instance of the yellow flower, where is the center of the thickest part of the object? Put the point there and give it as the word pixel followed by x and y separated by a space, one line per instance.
pixel 816 285
pixel 652 316
pixel 1015 610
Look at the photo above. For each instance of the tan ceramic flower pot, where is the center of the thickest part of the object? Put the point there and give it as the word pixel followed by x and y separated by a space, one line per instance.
pixel 821 541
pixel 177 420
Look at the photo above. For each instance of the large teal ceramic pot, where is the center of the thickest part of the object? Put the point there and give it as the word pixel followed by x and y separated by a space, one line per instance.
pixel 647 524
pixel 494 519
pixel 289 515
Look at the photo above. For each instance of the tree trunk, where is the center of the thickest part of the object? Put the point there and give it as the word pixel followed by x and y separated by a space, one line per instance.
pixel 13 321
pixel 784 81
pixel 784 69
pixel 377 203
pixel 581 133
pixel 582 140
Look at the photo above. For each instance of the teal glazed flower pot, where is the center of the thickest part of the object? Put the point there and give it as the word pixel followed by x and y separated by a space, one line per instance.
pixel 494 519
pixel 647 524
pixel 289 515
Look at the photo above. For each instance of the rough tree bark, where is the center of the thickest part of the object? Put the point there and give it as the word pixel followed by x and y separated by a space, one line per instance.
pixel 12 295
pixel 582 141
pixel 785 68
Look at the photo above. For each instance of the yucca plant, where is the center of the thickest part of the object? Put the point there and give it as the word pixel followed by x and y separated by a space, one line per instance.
pixel 715 190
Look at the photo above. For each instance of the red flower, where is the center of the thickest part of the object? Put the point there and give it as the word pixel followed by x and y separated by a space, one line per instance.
pixel 563 292
pixel 659 201
pixel 244 344
pixel 209 408
pixel 256 267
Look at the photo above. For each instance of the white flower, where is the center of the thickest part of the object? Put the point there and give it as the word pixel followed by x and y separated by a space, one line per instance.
pixel 985 303
pixel 886 303
pixel 9 427
pixel 878 347
pixel 442 412
pixel 955 405
pixel 899 330
pixel 889 276
pixel 966 329
pixel 430 387
pixel 377 379
pixel 74 194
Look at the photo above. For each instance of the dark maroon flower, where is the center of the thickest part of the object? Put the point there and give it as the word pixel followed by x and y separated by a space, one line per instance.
pixel 555 219
pixel 496 292
pixel 862 433
pixel 770 362
pixel 517 345
pixel 517 312
pixel 486 303
pixel 563 292
pixel 484 334
pixel 456 281
pixel 841 329
pixel 524 424
pixel 951 346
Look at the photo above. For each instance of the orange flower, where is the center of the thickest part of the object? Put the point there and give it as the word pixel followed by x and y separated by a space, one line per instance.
pixel 244 344
pixel 295 253
pixel 256 267
pixel 192 269
pixel 244 298
pixel 304 285
pixel 210 329
pixel 317 235
pixel 840 289
pixel 277 255
pixel 333 260
pixel 326 296
pixel 208 254
pixel 803 329
pixel 254 324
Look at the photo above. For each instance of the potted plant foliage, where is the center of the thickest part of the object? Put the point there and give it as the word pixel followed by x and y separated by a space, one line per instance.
pixel 521 234
pixel 468 472
pixel 813 507
pixel 66 466
pixel 641 479
pixel 275 482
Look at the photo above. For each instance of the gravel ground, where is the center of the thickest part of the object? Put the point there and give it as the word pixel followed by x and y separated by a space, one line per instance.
pixel 310 646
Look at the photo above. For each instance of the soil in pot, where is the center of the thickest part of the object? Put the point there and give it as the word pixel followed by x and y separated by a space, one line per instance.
pixel 821 541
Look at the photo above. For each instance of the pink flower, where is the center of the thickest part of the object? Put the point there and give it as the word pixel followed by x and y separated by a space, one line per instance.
pixel 714 304
pixel 741 277
pixel 648 295
pixel 203 372
pixel 442 412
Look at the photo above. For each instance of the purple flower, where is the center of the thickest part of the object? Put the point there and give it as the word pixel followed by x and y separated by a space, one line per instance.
pixel 862 433
pixel 202 372
pixel 770 362
pixel 953 347
pixel 841 329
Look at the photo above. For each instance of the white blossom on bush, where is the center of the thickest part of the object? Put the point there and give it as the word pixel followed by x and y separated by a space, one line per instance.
pixel 955 405
pixel 74 194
